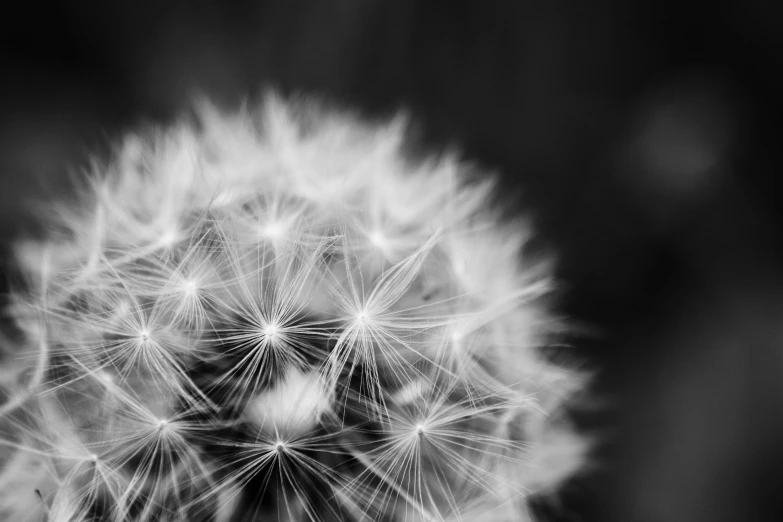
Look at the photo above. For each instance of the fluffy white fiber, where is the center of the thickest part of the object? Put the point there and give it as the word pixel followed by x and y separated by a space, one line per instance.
pixel 275 315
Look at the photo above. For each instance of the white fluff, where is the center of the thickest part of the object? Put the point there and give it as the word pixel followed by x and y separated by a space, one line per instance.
pixel 361 321
pixel 293 406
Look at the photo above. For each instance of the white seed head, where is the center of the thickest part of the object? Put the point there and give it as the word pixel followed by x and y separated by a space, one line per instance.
pixel 286 270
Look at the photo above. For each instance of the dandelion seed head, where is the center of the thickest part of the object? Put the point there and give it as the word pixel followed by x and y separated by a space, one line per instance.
pixel 283 280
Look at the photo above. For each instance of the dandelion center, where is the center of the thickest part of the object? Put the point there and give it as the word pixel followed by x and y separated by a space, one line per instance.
pixel 377 239
pixel 190 286
pixel 272 230
pixel 271 330
pixel 169 238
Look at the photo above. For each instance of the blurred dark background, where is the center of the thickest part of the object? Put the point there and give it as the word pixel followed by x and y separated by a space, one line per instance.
pixel 641 136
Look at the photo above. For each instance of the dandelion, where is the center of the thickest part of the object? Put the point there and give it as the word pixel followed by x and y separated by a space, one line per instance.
pixel 275 315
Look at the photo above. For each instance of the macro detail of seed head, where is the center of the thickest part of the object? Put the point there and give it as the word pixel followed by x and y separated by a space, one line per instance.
pixel 275 314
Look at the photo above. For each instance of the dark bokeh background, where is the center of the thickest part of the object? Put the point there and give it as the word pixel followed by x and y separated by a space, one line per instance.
pixel 642 137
